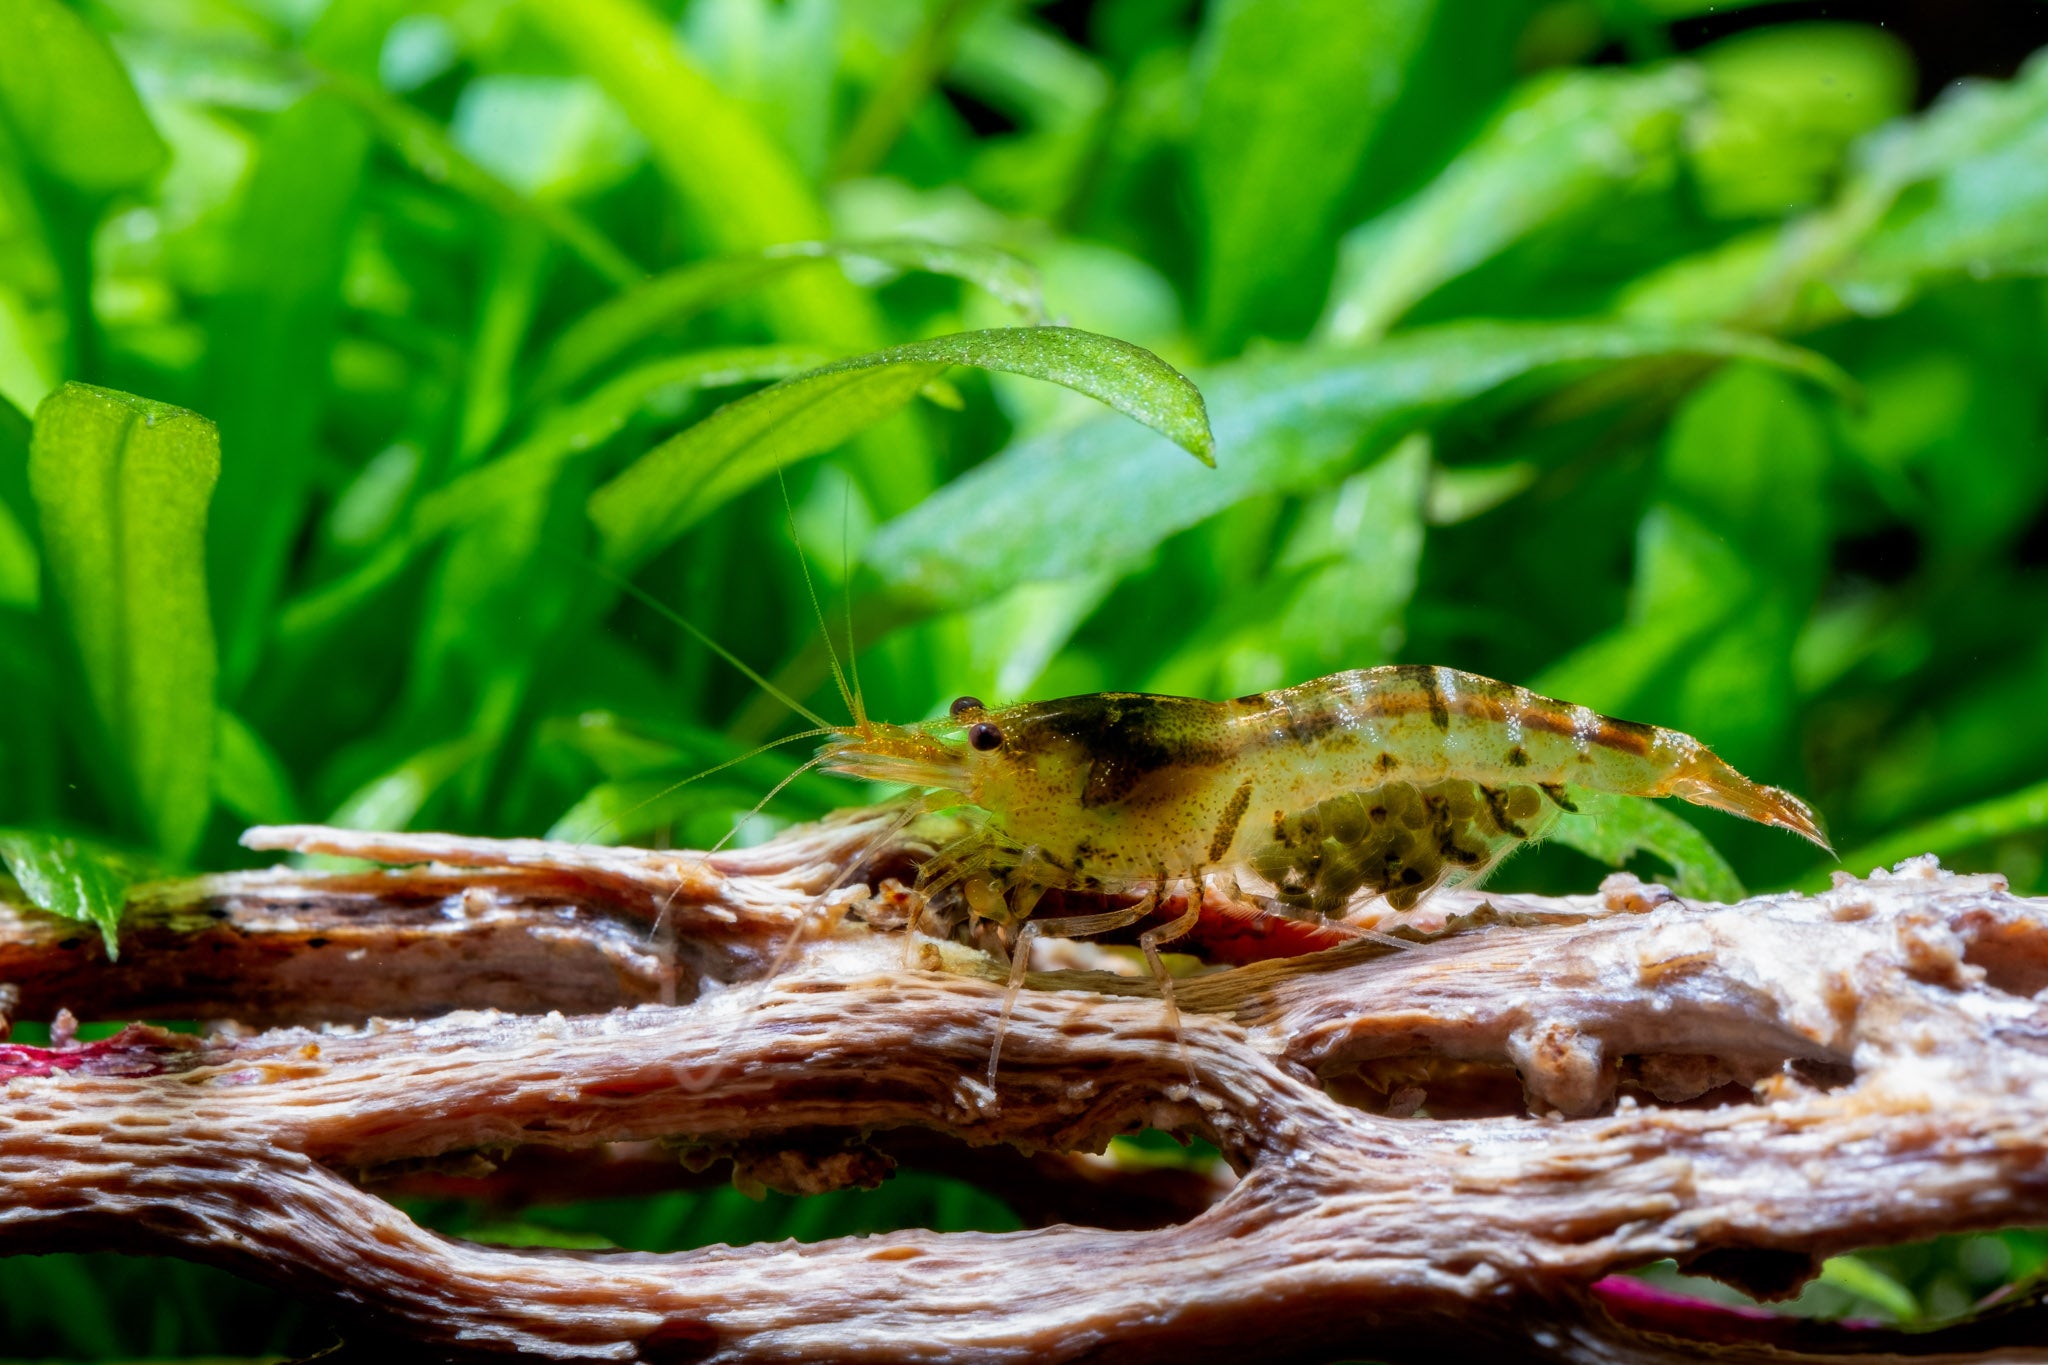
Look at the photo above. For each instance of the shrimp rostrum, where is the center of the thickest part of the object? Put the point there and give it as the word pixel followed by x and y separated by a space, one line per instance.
pixel 1385 781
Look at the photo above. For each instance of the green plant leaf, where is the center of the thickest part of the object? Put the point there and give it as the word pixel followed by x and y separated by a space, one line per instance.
pixel 273 333
pixel 519 1233
pixel 21 570
pixel 665 301
pixel 495 599
pixel 556 138
pixel 1958 192
pixel 591 421
pixel 1003 277
pixel 655 777
pixel 687 477
pixel 36 753
pixel 621 811
pixel 70 878
pixel 2020 812
pixel 1613 829
pixel 1564 143
pixel 1787 102
pixel 1352 585
pixel 741 188
pixel 1286 422
pixel 121 487
pixel 1984 216
pixel 1728 560
pixel 1854 1275
pixel 35 318
pixel 1291 93
pixel 516 274
pixel 248 776
pixel 893 99
pixel 533 464
pixel 427 148
pixel 1336 595
pixel 1686 9
pixel 392 798
pixel 71 102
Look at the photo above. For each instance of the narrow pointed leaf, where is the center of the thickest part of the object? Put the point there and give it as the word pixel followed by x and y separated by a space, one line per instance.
pixel 1292 92
pixel 742 189
pixel 532 464
pixel 2015 813
pixel 68 878
pixel 590 422
pixel 248 776
pixel 708 145
pixel 70 100
pixel 1854 1275
pixel 1561 145
pixel 427 148
pixel 692 474
pixel 1287 422
pixel 392 798
pixel 21 569
pixel 273 332
pixel 667 300
pixel 37 330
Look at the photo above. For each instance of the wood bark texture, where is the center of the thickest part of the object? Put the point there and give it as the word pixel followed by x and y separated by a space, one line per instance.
pixel 1443 1149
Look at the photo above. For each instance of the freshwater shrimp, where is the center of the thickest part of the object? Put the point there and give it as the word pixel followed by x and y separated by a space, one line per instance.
pixel 1392 780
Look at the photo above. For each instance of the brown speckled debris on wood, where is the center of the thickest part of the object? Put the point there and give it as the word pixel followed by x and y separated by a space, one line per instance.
pixel 1441 1151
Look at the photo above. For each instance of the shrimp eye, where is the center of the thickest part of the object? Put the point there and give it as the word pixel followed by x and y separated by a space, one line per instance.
pixel 961 705
pixel 984 736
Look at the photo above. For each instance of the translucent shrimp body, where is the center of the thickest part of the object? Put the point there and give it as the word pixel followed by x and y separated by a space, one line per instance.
pixel 1388 780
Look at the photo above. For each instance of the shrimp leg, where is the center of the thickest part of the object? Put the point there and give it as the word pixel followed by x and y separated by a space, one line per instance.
pixel 1152 939
pixel 1070 926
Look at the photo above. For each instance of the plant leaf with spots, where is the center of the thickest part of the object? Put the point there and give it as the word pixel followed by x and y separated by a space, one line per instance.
pixel 121 487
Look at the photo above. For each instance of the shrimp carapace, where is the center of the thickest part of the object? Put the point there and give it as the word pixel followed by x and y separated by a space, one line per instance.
pixel 1389 780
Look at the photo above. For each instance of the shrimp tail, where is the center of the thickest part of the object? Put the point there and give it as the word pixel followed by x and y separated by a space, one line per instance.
pixel 1707 781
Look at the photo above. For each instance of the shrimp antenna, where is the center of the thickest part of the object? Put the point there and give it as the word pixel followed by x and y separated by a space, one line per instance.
pixel 649 599
pixel 754 752
pixel 773 792
pixel 838 676
pixel 860 713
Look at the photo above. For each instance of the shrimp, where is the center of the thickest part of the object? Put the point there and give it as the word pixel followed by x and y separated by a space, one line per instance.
pixel 1392 780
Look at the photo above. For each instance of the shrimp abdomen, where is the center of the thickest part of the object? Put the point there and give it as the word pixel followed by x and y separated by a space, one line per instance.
pixel 1430 723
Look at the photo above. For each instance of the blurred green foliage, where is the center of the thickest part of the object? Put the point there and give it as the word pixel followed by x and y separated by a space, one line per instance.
pixel 1692 373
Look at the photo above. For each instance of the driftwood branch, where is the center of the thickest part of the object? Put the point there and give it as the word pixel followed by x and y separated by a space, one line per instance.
pixel 1441 1151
